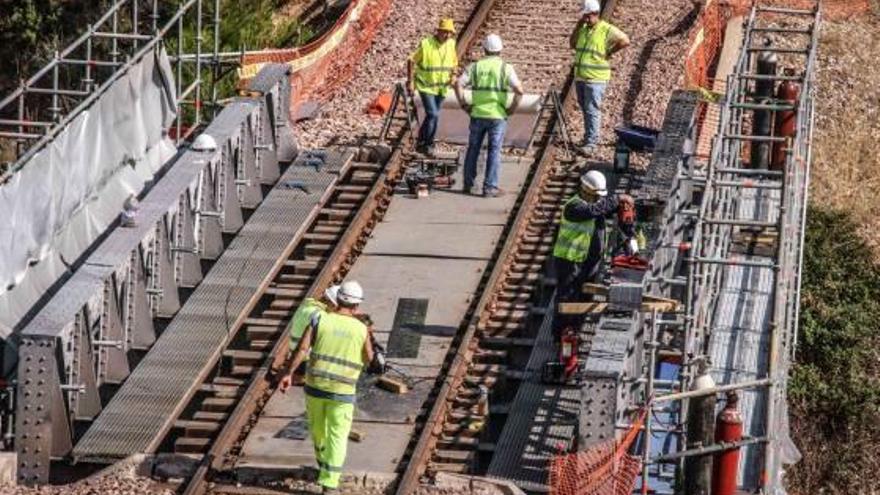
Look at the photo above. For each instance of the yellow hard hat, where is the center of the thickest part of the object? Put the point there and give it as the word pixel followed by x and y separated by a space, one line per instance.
pixel 446 25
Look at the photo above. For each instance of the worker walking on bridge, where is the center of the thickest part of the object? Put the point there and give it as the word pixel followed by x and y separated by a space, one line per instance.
pixel 580 243
pixel 340 349
pixel 431 71
pixel 491 81
pixel 594 41
pixel 304 314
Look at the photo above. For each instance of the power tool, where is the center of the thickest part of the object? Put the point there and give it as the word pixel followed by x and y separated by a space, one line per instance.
pixel 379 364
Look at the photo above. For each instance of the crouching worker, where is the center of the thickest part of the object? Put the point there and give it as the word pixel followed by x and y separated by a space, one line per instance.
pixel 580 243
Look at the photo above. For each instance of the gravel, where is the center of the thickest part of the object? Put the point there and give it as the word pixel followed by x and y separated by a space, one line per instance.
pixel 343 118
pixel 645 73
pixel 105 486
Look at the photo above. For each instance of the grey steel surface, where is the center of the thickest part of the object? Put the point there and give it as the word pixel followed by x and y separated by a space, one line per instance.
pixel 406 332
pixel 541 418
pixel 672 143
pixel 138 416
pixel 739 350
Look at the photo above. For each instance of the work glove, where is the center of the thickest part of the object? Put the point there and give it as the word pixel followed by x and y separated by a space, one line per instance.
pixel 632 246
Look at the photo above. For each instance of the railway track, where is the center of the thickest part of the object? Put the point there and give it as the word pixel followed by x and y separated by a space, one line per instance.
pixel 498 323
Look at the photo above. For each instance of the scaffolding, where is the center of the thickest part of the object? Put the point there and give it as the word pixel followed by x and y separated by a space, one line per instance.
pixel 741 202
pixel 76 76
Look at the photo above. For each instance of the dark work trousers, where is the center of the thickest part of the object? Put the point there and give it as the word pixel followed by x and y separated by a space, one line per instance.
pixel 428 130
pixel 571 277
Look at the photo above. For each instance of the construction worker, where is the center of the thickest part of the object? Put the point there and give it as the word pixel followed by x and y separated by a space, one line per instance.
pixel 491 80
pixel 580 243
pixel 595 41
pixel 304 313
pixel 340 348
pixel 431 71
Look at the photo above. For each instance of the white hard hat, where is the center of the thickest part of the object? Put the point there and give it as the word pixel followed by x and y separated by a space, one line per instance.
pixel 350 293
pixel 330 293
pixel 493 44
pixel 592 6
pixel 595 181
pixel 204 143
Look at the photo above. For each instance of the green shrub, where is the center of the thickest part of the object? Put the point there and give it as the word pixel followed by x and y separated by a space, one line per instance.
pixel 834 389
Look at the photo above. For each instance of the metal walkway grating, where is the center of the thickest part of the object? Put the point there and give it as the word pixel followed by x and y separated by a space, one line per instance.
pixel 541 417
pixel 141 412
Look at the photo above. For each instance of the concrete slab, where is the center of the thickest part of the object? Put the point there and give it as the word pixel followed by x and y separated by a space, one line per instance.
pixel 283 442
pixel 455 207
pixel 436 249
pixel 434 240
pixel 448 284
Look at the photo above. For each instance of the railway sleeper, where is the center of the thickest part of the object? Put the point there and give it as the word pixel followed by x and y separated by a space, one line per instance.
pixel 218 404
pixel 197 428
pixel 192 445
pixel 256 333
pixel 240 357
pixel 302 267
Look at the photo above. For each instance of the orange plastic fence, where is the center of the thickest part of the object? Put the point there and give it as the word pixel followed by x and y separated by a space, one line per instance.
pixel 604 469
pixel 707 36
pixel 327 63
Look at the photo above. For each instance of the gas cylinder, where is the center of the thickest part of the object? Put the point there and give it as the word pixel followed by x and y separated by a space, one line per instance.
pixel 568 351
pixel 786 121
pixel 762 120
pixel 728 428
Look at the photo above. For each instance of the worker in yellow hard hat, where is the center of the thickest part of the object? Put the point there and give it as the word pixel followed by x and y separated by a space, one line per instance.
pixel 431 71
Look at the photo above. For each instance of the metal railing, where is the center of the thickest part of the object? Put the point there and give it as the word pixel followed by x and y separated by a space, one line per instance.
pixel 76 76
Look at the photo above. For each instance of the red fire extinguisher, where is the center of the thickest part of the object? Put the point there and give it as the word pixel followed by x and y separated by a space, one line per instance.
pixel 568 351
pixel 728 428
pixel 786 121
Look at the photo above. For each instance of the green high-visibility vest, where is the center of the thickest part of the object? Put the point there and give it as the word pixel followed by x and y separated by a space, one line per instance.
pixel 336 360
pixel 302 318
pixel 434 70
pixel 489 83
pixel 590 62
pixel 574 238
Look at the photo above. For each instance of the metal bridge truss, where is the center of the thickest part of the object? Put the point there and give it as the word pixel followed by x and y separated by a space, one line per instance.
pixel 82 337
pixel 80 73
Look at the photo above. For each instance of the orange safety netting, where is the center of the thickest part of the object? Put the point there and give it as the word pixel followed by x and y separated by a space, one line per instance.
pixel 327 63
pixel 707 37
pixel 604 469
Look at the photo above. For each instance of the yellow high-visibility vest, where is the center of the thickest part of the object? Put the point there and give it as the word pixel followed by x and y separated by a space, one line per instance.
pixel 590 60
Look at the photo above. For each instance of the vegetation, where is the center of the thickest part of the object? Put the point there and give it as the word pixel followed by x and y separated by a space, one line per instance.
pixel 835 391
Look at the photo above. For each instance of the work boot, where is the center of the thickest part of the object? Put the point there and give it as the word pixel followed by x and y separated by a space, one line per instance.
pixel 470 190
pixel 492 192
pixel 587 149
pixel 429 151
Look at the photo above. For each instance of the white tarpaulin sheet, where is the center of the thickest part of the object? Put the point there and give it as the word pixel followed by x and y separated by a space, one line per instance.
pixel 454 122
pixel 64 197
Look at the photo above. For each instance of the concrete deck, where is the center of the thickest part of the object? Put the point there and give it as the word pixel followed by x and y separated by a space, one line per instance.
pixel 434 249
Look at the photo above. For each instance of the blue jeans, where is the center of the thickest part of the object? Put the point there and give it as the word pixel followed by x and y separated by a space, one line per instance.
pixel 478 129
pixel 428 130
pixel 589 96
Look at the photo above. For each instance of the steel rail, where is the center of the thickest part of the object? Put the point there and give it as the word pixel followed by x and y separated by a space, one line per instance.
pixel 261 383
pixel 418 461
pixel 336 265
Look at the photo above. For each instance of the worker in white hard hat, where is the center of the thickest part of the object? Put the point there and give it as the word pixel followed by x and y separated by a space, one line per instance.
pixel 304 314
pixel 431 71
pixel 491 81
pixel 580 243
pixel 340 348
pixel 594 41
